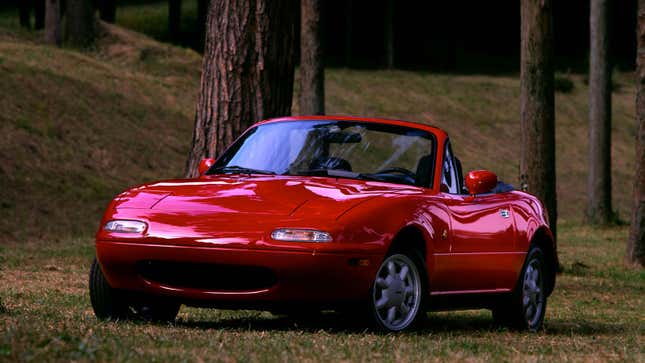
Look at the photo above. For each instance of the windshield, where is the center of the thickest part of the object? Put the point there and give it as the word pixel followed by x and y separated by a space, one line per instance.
pixel 347 149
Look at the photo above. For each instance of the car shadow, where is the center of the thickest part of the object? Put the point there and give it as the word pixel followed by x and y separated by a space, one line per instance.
pixel 436 323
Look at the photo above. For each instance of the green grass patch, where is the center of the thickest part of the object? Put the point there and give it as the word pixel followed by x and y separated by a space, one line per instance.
pixel 595 316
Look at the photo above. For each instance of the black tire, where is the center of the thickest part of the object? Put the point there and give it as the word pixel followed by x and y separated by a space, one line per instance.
pixel 397 302
pixel 112 304
pixel 525 308
pixel 108 303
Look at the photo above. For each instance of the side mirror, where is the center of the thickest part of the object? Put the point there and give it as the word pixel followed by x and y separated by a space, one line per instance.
pixel 480 181
pixel 205 164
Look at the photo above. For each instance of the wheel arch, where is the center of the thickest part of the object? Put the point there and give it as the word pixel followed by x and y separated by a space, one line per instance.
pixel 411 237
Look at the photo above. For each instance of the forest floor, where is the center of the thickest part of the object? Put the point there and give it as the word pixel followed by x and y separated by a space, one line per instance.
pixel 595 314
pixel 78 127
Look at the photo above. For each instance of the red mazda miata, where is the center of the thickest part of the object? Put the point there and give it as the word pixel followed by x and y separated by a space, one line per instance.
pixel 304 214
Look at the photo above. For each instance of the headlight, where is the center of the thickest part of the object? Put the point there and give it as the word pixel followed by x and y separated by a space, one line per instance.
pixel 300 235
pixel 125 226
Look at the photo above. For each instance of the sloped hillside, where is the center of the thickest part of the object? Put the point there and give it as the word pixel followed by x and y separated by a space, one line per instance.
pixel 78 127
pixel 481 115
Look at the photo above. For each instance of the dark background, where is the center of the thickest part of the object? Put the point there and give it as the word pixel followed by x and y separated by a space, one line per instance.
pixel 468 36
pixel 445 36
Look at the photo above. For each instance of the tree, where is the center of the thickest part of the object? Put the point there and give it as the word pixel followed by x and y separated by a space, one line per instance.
pixel 389 34
pixel 636 242
pixel 312 71
pixel 174 19
pixel 107 10
pixel 599 180
pixel 80 23
pixel 24 13
pixel 52 22
pixel 247 73
pixel 537 117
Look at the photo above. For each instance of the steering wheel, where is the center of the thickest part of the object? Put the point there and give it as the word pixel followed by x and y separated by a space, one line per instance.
pixel 395 169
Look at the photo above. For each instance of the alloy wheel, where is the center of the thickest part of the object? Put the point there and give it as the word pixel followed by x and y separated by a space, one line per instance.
pixel 397 292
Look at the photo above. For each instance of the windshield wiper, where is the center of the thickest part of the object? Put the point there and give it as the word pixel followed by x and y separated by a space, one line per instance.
pixel 235 169
pixel 311 172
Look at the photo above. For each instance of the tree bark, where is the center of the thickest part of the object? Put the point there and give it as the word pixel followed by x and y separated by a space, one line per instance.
pixel 24 13
pixel 312 71
pixel 107 10
pixel 247 73
pixel 52 22
pixel 39 14
pixel 389 34
pixel 636 243
pixel 599 209
pixel 174 19
pixel 537 118
pixel 80 23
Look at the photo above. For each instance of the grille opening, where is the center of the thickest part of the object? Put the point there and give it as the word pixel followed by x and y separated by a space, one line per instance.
pixel 207 276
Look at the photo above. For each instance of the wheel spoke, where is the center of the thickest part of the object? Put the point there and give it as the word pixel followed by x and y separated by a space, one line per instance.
pixel 391 269
pixel 390 314
pixel 404 308
pixel 404 272
pixel 529 312
pixel 381 303
pixel 382 283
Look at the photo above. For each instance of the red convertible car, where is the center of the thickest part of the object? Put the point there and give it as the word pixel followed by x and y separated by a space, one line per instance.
pixel 304 214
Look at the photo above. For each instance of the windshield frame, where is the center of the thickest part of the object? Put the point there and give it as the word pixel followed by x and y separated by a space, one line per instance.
pixel 228 154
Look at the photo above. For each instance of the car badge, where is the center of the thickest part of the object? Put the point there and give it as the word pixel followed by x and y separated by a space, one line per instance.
pixel 504 213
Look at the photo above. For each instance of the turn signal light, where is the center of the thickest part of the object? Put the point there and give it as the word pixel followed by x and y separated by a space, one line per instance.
pixel 125 226
pixel 300 235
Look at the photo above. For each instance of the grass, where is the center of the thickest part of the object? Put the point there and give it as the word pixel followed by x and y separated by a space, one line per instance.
pixel 78 127
pixel 595 314
pixel 66 116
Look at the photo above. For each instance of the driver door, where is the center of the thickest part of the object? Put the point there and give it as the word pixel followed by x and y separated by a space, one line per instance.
pixel 482 236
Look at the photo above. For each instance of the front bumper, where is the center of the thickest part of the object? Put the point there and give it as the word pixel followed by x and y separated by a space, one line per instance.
pixel 323 278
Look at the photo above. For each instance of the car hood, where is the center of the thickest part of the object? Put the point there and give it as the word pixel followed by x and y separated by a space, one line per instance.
pixel 264 195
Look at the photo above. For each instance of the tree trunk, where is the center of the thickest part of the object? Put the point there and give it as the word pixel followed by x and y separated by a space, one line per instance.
pixel 349 25
pixel 24 12
pixel 39 14
pixel 80 23
pixel 636 243
pixel 107 10
pixel 389 34
pixel 312 72
pixel 247 74
pixel 52 22
pixel 174 19
pixel 599 180
pixel 537 119
pixel 202 12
